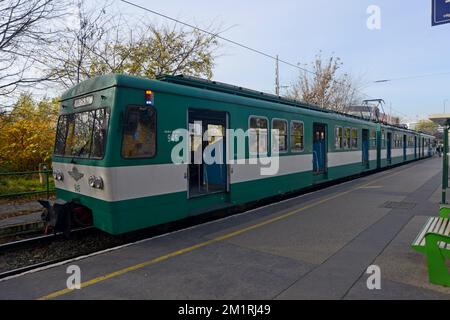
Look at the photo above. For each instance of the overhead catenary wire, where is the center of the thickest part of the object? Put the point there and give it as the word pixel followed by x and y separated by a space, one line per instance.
pixel 218 36
pixel 437 74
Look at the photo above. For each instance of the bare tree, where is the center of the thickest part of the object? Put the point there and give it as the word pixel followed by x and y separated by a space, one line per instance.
pixel 324 86
pixel 70 60
pixel 25 27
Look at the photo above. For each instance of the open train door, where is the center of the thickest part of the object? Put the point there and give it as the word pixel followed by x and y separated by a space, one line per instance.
pixel 320 151
pixel 207 130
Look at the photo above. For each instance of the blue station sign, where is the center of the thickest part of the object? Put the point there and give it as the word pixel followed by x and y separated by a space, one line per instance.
pixel 440 12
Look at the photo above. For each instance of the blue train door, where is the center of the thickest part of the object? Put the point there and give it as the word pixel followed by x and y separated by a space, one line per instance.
pixel 319 149
pixel 365 147
pixel 389 147
pixel 404 147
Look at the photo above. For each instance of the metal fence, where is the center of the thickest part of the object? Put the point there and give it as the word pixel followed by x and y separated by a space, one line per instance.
pixel 22 184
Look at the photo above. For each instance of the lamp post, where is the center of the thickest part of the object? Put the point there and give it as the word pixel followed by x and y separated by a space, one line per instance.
pixel 445 104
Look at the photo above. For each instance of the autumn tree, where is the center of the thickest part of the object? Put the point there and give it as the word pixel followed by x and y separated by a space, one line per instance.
pixel 102 42
pixel 428 127
pixel 162 50
pixel 27 134
pixel 321 84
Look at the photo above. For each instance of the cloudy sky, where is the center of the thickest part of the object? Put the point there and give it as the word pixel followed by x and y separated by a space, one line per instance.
pixel 296 30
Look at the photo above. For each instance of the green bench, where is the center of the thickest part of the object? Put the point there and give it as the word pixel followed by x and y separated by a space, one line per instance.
pixel 444 212
pixel 434 241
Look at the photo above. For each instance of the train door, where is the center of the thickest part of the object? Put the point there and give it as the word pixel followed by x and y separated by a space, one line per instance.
pixel 208 169
pixel 415 147
pixel 423 148
pixel 320 149
pixel 365 147
pixel 389 147
pixel 405 143
pixel 419 148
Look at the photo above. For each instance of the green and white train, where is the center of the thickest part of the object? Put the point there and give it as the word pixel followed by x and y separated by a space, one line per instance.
pixel 115 137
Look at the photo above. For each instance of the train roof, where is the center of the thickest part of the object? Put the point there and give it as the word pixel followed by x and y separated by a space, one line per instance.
pixel 231 89
pixel 121 80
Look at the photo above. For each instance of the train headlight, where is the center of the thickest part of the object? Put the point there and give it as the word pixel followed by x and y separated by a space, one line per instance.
pixel 58 175
pixel 96 182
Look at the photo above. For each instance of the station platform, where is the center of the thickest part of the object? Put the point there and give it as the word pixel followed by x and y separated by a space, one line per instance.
pixel 316 246
pixel 19 213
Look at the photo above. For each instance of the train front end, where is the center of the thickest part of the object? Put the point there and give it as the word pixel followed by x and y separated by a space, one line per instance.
pixel 81 158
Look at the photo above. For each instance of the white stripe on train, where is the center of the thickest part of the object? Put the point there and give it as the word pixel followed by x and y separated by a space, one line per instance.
pixel 127 183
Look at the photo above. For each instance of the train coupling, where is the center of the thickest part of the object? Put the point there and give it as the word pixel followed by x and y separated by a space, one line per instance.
pixel 62 216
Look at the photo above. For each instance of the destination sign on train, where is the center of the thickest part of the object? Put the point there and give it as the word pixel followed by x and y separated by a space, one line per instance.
pixel 82 102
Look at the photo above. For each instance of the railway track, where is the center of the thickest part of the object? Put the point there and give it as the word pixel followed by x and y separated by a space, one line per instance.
pixel 28 254
pixel 40 239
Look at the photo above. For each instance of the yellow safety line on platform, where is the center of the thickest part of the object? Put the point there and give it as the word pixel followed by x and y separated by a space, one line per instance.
pixel 217 239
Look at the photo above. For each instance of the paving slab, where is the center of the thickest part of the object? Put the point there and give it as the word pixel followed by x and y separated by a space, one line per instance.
pixel 401 269
pixel 23 219
pixel 8 208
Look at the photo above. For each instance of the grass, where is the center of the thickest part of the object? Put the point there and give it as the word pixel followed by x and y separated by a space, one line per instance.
pixel 14 184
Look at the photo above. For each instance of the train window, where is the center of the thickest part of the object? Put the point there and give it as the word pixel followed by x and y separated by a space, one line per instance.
pixel 373 139
pixel 338 137
pixel 383 138
pixel 297 136
pixel 347 138
pixel 214 133
pixel 354 138
pixel 280 140
pixel 61 134
pixel 99 133
pixel 82 134
pixel 258 136
pixel 139 132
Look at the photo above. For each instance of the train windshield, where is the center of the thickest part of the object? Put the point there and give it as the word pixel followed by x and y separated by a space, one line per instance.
pixel 83 134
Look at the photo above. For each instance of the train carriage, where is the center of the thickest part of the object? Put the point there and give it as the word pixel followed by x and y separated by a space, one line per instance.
pixel 114 148
pixel 399 145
